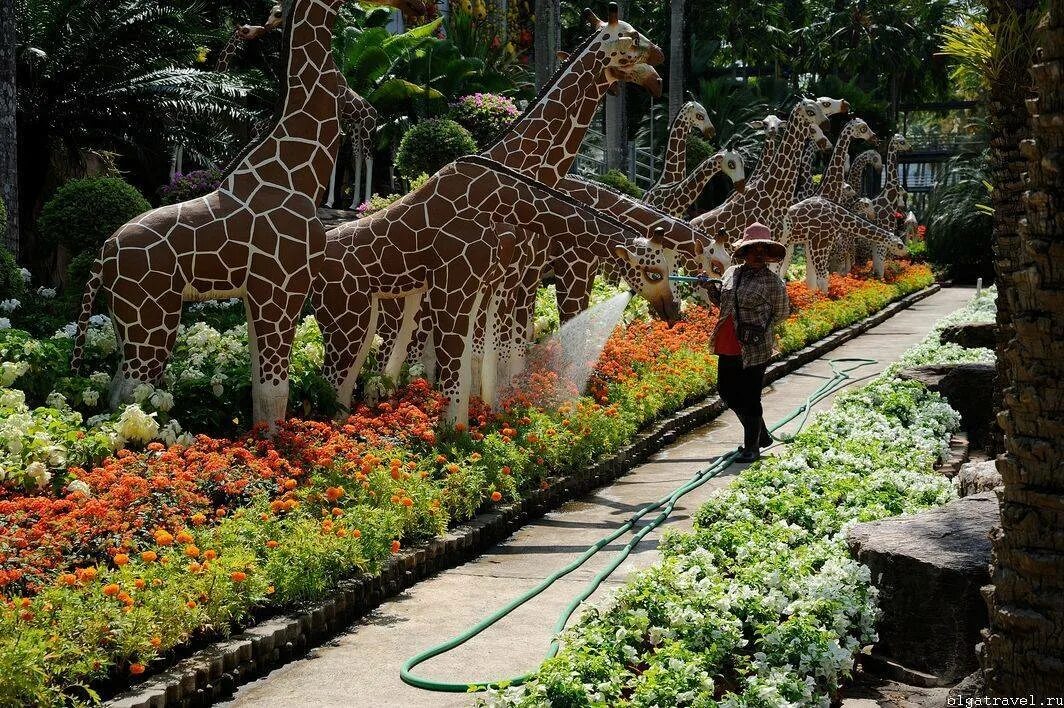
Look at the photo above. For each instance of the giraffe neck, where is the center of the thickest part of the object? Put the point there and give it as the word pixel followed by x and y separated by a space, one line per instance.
pixel 675 167
pixel 544 142
pixel 868 231
pixel 227 53
pixel 780 176
pixel 805 169
pixel 855 176
pixel 768 155
pixel 309 113
pixel 834 174
pixel 692 185
pixel 890 183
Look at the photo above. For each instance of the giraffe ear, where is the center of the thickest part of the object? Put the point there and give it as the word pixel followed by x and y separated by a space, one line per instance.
pixel 757 124
pixel 562 56
pixel 592 19
pixel 699 248
pixel 624 254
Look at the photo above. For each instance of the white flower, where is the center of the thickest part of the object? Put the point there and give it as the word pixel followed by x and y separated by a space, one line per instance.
pixel 9 305
pixel 55 400
pixel 100 379
pixel 67 332
pixel 162 401
pixel 143 392
pixel 26 277
pixel 38 473
pixel 99 320
pixel 78 485
pixel 90 397
pixel 11 370
pixel 136 425
pixel 5 323
pixel 46 293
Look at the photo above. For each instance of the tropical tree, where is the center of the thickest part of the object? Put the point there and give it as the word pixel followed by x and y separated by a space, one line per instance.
pixel 1024 649
pixel 115 77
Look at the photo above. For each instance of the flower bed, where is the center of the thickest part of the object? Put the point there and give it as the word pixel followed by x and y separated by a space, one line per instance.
pixel 761 604
pixel 108 569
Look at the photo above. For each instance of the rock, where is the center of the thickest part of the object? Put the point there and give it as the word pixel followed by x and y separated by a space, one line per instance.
pixel 976 477
pixel 929 569
pixel 969 389
pixel 971 335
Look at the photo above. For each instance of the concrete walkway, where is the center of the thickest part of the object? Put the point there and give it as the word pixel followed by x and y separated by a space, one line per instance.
pixel 361 666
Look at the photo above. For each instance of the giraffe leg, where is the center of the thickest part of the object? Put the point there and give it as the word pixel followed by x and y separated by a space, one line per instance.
pixel 573 284
pixel 356 183
pixel 879 262
pixel 389 321
pixel 453 316
pixel 478 343
pixel 146 326
pixel 273 312
pixel 408 323
pixel 421 351
pixel 348 336
pixel 497 314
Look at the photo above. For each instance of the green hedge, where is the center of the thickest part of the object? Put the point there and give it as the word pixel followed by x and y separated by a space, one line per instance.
pixel 84 212
pixel 430 145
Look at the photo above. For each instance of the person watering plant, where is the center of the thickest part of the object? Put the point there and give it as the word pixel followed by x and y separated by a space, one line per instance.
pixel 752 299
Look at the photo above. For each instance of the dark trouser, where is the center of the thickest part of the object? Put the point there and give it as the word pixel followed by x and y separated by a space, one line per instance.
pixel 740 388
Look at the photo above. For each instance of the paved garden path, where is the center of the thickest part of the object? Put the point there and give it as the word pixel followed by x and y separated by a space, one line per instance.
pixel 361 666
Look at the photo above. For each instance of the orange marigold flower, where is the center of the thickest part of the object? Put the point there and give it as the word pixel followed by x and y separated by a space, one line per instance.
pixel 334 493
pixel 440 459
pixel 191 604
pixel 139 583
pixel 272 544
pixel 452 468
pixel 496 496
pixel 111 589
pixel 86 575
pixel 460 427
pixel 337 511
pixel 68 579
pixel 238 576
pixel 355 533
pixel 149 556
pixel 289 484
pixel 199 519
pixel 121 559
pixel 407 501
pixel 156 642
pixel 136 669
pixel 395 546
pixel 505 469
pixel 163 537
pixel 210 554
pixel 191 551
pixel 184 537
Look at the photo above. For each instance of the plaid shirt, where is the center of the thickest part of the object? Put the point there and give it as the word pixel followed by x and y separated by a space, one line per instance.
pixel 762 302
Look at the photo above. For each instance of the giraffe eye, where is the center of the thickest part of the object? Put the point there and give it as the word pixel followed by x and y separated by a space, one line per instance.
pixel 653 276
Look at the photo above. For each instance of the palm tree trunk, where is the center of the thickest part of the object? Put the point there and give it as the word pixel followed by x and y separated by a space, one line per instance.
pixel 543 41
pixel 8 126
pixel 616 113
pixel 1007 118
pixel 676 57
pixel 1023 652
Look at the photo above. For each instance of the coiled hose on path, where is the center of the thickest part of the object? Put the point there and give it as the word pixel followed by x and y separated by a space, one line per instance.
pixel 841 370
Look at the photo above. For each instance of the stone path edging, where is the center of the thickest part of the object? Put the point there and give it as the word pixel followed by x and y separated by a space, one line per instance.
pixel 217 670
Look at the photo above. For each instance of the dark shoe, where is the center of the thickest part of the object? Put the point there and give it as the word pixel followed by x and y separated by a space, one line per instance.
pixel 748 456
pixel 766 437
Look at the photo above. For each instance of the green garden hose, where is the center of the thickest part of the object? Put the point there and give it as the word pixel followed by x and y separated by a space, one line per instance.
pixel 840 379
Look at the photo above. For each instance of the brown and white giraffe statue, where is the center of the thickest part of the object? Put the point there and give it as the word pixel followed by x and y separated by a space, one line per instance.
pixel 805 186
pixel 844 254
pixel 771 191
pixel 256 237
pixel 855 174
pixel 358 118
pixel 544 141
pixel 890 201
pixel 817 222
pixel 677 197
pixel 833 185
pixel 448 242
pixel 691 116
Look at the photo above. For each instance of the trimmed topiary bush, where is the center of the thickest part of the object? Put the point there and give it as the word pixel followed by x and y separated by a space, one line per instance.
pixel 12 284
pixel 84 212
pixel 617 180
pixel 697 152
pixel 184 187
pixel 430 145
pixel 484 115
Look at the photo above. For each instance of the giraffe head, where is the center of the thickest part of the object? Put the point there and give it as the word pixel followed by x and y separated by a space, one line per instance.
pixel 833 106
pixel 694 115
pixel 771 124
pixel 811 118
pixel 714 255
pixel 731 164
pixel 645 265
pixel 859 129
pixel 629 55
pixel 274 21
pixel 899 143
pixel 864 208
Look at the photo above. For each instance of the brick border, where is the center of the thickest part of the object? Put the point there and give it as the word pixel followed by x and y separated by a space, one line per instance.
pixel 216 671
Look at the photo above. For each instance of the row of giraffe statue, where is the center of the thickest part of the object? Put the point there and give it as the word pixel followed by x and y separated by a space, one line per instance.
pixel 447 275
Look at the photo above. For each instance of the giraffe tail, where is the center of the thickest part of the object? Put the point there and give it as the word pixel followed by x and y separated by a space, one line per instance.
pixel 88 299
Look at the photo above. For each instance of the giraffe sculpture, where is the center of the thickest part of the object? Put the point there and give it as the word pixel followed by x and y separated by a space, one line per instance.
pixel 544 141
pixel 256 237
pixel 357 116
pixel 772 126
pixel 855 175
pixel 805 186
pixel 890 201
pixel 690 116
pixel 771 191
pixel 447 241
pixel 817 222
pixel 843 255
pixel 677 197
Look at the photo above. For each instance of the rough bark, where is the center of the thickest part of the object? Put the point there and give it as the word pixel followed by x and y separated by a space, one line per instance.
pixel 676 57
pixel 544 45
pixel 8 126
pixel 1023 651
pixel 616 123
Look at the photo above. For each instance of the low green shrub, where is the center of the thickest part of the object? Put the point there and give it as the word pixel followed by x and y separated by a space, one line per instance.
pixel 619 181
pixel 84 212
pixel 959 224
pixel 484 115
pixel 430 145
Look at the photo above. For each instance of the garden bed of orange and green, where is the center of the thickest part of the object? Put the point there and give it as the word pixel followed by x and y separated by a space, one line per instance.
pixel 109 567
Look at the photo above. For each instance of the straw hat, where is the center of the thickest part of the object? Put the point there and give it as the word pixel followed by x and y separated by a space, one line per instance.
pixel 757 234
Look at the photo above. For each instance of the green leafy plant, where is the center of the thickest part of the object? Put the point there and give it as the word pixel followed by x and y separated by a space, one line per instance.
pixel 619 181
pixel 85 212
pixel 959 226
pixel 430 145
pixel 484 115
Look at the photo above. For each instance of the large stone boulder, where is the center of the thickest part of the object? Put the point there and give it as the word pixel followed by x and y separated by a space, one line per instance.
pixel 977 477
pixel 971 335
pixel 969 388
pixel 928 569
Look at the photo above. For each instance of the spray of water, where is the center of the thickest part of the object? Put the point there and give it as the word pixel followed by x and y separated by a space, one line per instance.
pixel 573 351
